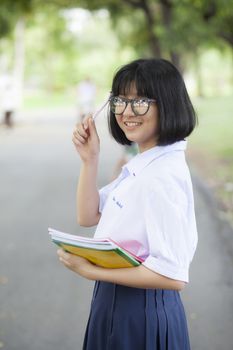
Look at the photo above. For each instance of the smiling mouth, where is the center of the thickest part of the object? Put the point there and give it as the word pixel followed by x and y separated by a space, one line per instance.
pixel 131 124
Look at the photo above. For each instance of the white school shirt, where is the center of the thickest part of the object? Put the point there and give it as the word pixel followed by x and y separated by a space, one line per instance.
pixel 149 210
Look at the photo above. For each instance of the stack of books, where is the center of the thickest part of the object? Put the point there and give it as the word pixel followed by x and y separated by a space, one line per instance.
pixel 102 252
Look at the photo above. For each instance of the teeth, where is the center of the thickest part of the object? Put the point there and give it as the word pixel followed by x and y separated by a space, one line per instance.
pixel 132 124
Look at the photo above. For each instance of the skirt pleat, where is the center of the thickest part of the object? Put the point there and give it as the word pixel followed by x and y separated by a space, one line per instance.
pixel 124 318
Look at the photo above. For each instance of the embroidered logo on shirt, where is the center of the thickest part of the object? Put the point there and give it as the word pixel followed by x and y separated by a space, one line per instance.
pixel 117 202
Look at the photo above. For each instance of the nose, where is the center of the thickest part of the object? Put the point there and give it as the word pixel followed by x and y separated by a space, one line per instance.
pixel 128 111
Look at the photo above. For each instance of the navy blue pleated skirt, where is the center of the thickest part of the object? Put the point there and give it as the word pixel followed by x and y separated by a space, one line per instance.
pixel 124 318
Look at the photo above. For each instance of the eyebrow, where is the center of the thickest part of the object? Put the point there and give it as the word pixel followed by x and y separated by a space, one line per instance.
pixel 135 98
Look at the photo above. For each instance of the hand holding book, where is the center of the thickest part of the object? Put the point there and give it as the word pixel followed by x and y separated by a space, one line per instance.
pixel 101 252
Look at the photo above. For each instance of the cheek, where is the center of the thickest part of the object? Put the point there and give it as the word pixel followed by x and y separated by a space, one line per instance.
pixel 156 125
pixel 119 121
pixel 155 122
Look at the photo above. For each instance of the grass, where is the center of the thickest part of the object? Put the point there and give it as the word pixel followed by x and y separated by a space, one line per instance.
pixel 211 148
pixel 45 100
pixel 214 132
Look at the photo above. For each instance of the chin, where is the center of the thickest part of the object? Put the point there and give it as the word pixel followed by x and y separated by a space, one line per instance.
pixel 132 139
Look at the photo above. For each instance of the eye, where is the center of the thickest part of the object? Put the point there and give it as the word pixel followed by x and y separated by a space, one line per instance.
pixel 141 102
pixel 118 100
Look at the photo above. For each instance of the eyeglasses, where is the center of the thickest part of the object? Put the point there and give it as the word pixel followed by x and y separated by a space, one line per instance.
pixel 140 106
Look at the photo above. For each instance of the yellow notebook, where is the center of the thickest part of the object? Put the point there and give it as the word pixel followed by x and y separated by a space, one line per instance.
pixel 101 252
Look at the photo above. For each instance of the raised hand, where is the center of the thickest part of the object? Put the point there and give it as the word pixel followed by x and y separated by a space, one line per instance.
pixel 86 140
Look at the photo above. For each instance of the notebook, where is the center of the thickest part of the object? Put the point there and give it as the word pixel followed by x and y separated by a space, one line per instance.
pixel 102 252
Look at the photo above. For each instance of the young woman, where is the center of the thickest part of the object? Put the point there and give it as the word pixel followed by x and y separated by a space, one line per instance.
pixel 148 209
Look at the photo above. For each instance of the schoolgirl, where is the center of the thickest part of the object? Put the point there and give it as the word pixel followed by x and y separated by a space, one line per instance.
pixel 148 209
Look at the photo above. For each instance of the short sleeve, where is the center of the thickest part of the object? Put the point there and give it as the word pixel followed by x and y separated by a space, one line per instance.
pixel 171 232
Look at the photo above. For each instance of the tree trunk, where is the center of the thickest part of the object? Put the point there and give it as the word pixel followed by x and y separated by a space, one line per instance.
pixel 153 39
pixel 176 60
pixel 167 13
pixel 150 22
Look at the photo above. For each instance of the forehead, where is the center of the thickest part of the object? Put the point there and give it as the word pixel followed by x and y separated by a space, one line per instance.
pixel 131 91
pixel 128 84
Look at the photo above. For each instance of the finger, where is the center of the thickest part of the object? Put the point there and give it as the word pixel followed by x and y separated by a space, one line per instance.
pixel 92 127
pixel 65 262
pixel 78 137
pixel 64 257
pixel 85 120
pixel 62 254
pixel 80 133
pixel 80 130
pixel 76 142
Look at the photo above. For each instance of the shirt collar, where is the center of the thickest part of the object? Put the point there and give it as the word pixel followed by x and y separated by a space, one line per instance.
pixel 141 160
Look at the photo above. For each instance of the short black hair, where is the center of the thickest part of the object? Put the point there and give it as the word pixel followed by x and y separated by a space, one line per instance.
pixel 158 79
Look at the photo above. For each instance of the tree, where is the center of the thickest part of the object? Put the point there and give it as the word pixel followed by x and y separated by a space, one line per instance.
pixel 10 12
pixel 169 28
pixel 175 29
pixel 12 19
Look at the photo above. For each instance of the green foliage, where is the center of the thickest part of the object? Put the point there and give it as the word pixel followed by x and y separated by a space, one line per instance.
pixel 10 11
pixel 178 25
pixel 50 45
pixel 58 58
pixel 214 133
pixel 131 32
pixel 211 148
pixel 5 22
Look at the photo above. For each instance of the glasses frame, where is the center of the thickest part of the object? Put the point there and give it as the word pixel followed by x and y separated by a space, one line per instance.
pixel 131 101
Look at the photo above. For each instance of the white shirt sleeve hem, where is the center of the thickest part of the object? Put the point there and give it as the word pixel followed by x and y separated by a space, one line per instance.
pixel 176 273
pixel 101 201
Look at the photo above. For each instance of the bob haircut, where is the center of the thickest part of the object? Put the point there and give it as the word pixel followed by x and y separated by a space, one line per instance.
pixel 160 80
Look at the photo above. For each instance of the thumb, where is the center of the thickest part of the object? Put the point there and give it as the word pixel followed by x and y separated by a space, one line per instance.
pixel 92 127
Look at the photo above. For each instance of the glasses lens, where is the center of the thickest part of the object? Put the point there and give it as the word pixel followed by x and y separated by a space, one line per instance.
pixel 140 106
pixel 117 105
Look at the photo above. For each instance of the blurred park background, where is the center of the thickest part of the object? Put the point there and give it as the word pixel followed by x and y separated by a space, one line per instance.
pixel 47 50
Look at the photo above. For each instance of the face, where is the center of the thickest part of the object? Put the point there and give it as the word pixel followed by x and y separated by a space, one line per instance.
pixel 143 129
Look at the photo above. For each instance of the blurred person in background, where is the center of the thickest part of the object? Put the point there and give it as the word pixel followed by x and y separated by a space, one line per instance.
pixel 8 103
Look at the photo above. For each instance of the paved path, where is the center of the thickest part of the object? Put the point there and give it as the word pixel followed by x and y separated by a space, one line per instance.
pixel 42 305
